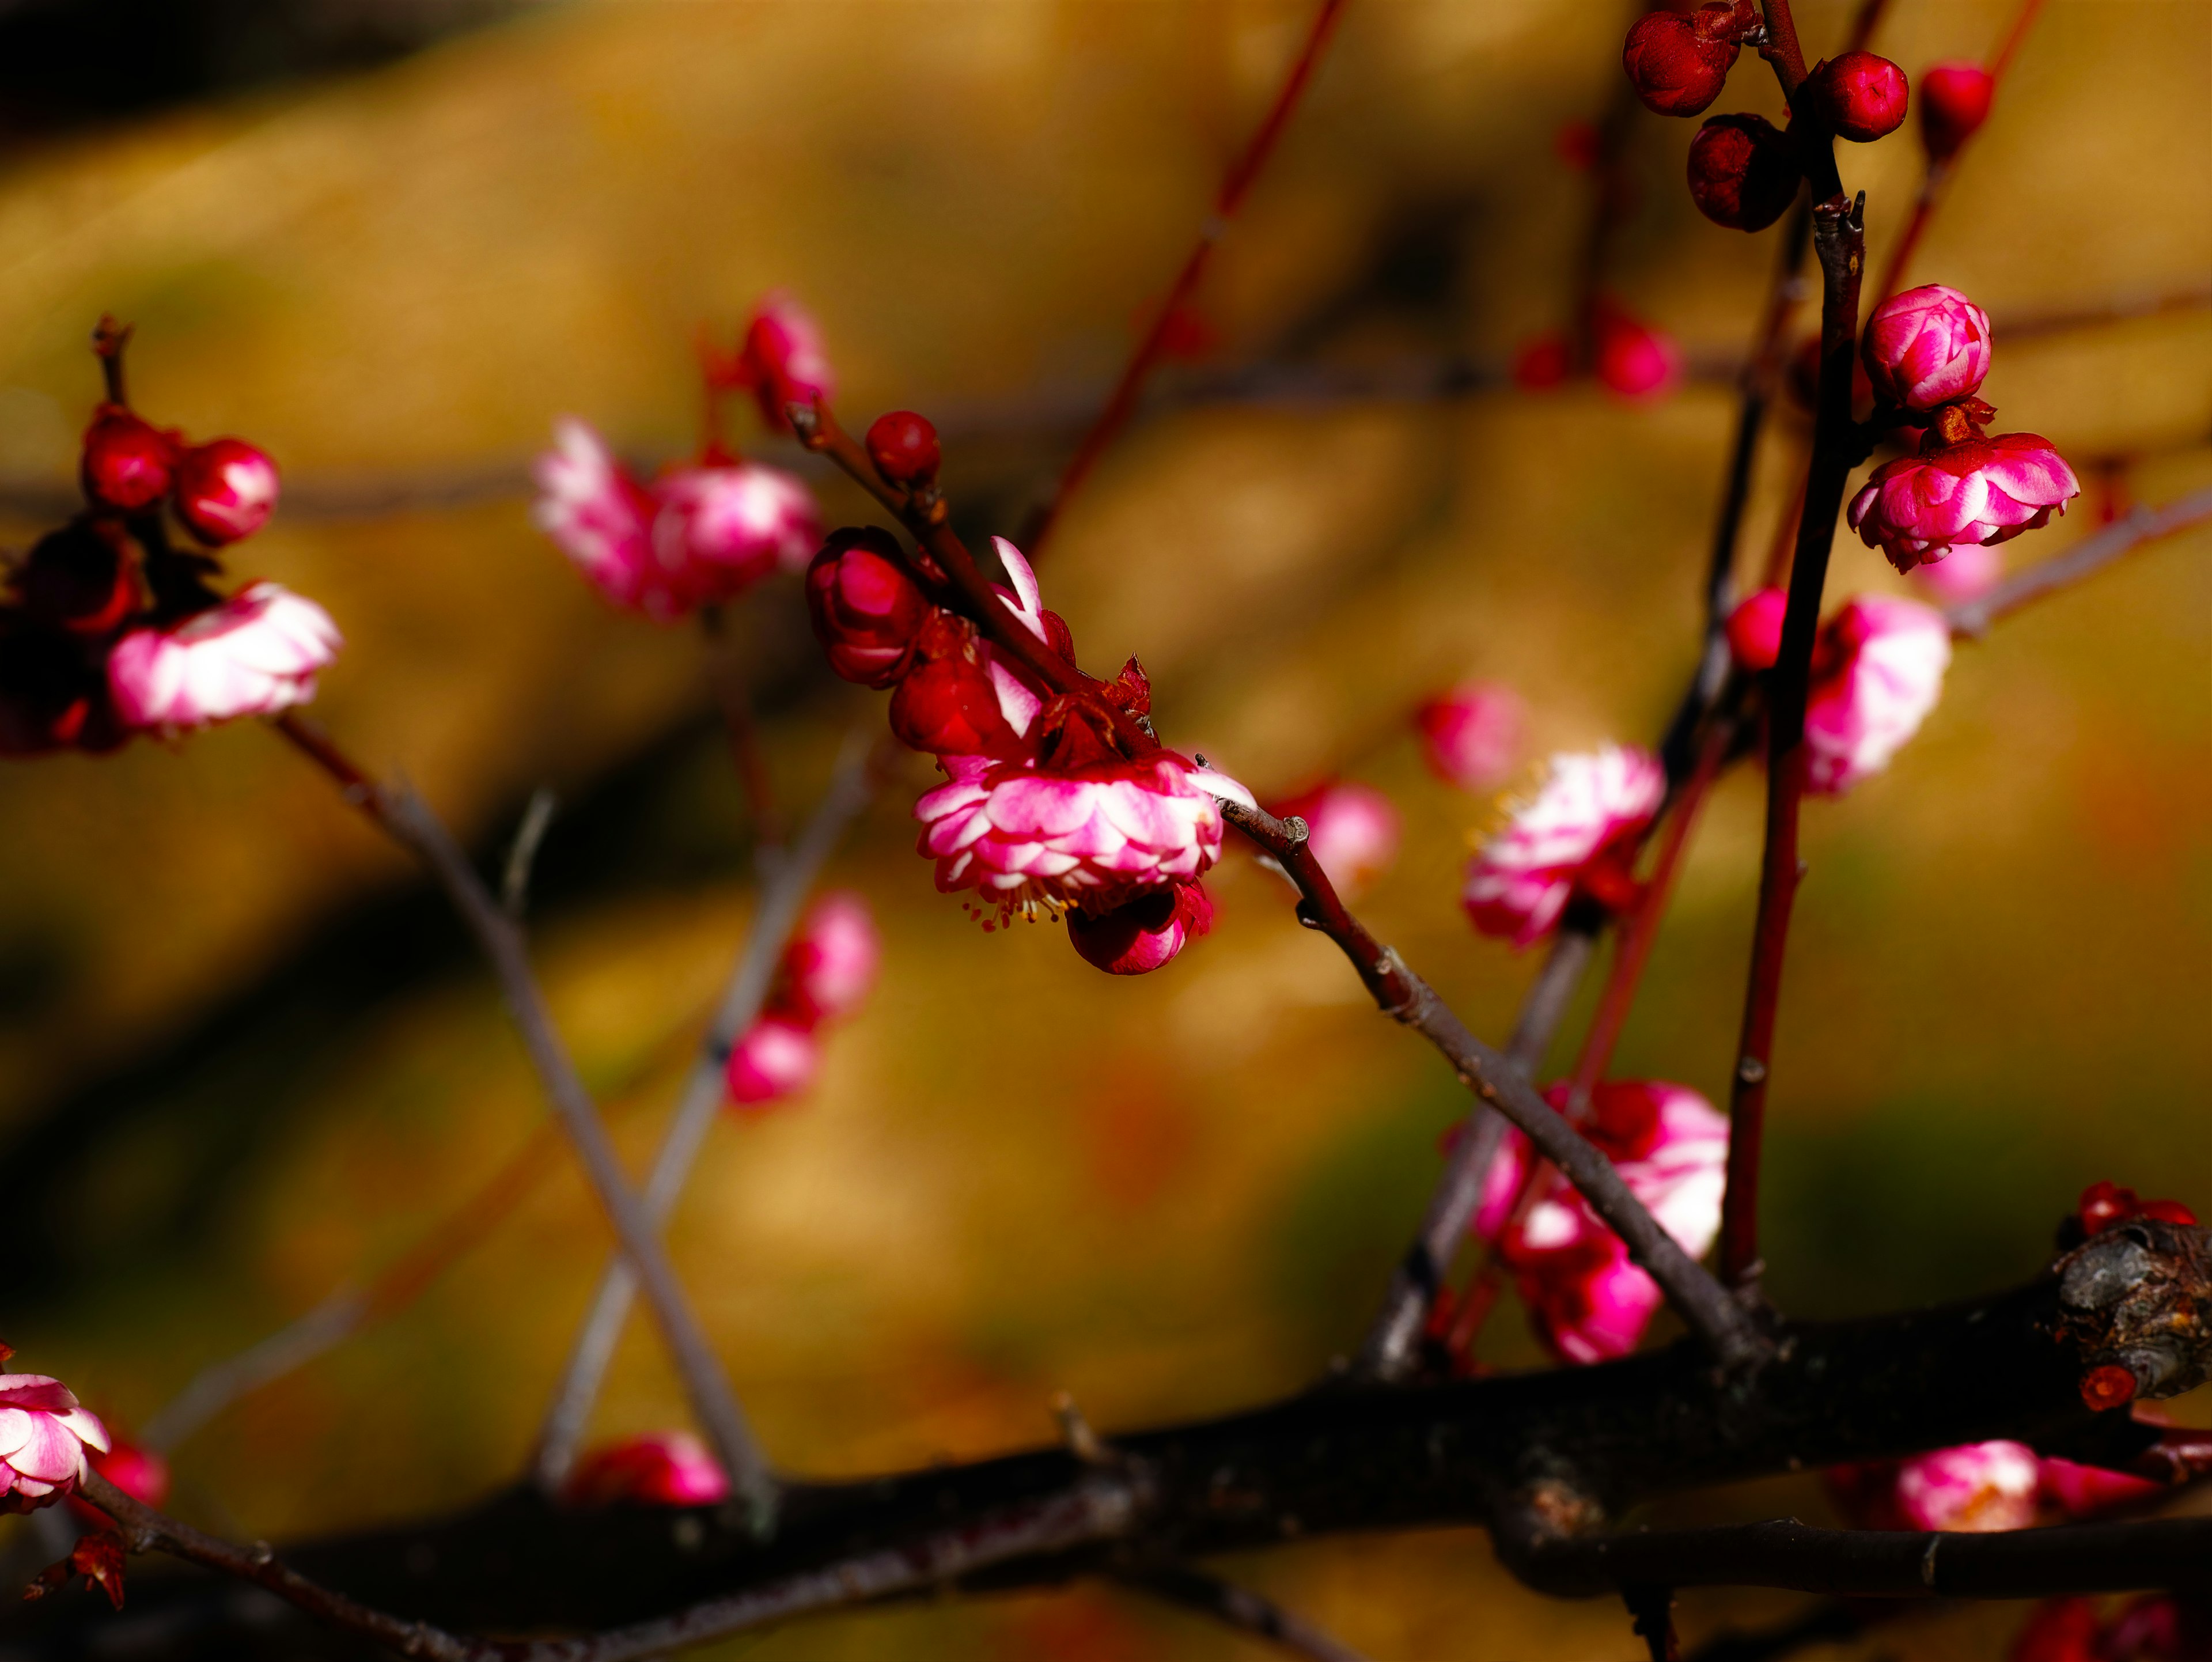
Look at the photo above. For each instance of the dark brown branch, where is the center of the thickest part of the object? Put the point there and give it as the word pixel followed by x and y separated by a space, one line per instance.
pixel 1971 619
pixel 1404 997
pixel 1242 1609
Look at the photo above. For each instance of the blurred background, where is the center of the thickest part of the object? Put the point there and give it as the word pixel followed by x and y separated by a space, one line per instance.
pixel 245 1058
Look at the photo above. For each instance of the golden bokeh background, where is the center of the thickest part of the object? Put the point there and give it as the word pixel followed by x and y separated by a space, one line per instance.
pixel 244 1059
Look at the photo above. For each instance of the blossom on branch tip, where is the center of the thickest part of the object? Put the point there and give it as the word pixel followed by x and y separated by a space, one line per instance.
pixel 1858 95
pixel 1927 346
pixel 1578 833
pixel 904 449
pixel 660 1469
pixel 1755 628
pixel 830 964
pixel 718 531
pixel 1877 670
pixel 783 360
pixel 44 1435
pixel 1743 174
pixel 1678 63
pixel 1352 829
pixel 224 490
pixel 1954 101
pixel 1142 934
pixel 775 1057
pixel 1978 490
pixel 256 653
pixel 1470 735
pixel 126 461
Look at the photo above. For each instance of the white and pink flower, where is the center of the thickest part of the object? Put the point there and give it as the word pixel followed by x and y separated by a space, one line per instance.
pixel 1352 828
pixel 717 531
pixel 1973 1487
pixel 1578 831
pixel 256 653
pixel 1025 837
pixel 776 1057
pixel 661 1469
pixel 1927 346
pixel 43 1434
pixel 601 518
pixel 1877 670
pixel 830 965
pixel 1920 506
pixel 1470 735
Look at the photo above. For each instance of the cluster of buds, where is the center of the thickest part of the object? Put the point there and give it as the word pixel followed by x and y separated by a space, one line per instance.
pixel 1577 838
pixel 1979 1488
pixel 112 626
pixel 1059 803
pixel 2156 1627
pixel 1632 359
pixel 826 974
pixel 1927 351
pixel 2105 1205
pixel 44 1437
pixel 703 533
pixel 1586 1299
pixel 659 1468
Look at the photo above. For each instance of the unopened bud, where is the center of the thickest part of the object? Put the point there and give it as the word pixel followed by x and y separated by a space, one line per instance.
pixel 1954 101
pixel 1676 66
pixel 225 490
pixel 865 608
pixel 903 447
pixel 1742 172
pixel 1861 96
pixel 126 460
pixel 1755 628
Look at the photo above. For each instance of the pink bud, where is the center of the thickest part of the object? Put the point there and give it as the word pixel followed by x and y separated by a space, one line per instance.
pixel 1140 937
pixel 2085 1491
pixel 830 964
pixel 1861 96
pixel 255 655
pixel 1755 628
pixel 1352 829
pixel 1634 360
pixel 225 490
pixel 903 447
pixel 44 1435
pixel 784 361
pixel 1978 491
pixel 1954 101
pixel 139 1473
pixel 867 611
pixel 1471 736
pixel 661 1469
pixel 776 1058
pixel 127 460
pixel 957 699
pixel 1742 172
pixel 1676 67
pixel 1926 346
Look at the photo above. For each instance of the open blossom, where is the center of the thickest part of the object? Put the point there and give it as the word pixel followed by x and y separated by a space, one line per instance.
pixel 717 531
pixel 1586 1297
pixel 1145 934
pixel 1578 831
pixel 1470 735
pixel 601 518
pixel 662 1469
pixel 1976 1487
pixel 256 653
pixel 43 1438
pixel 830 964
pixel 1877 670
pixel 1978 491
pixel 1927 346
pixel 1352 828
pixel 775 1058
pixel 1096 836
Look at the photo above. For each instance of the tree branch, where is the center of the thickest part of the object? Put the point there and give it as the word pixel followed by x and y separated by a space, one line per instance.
pixel 1239 1608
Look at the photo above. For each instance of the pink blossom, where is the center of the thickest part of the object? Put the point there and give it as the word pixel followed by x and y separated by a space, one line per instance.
pixel 1098 836
pixel 776 1058
pixel 661 1469
pixel 254 654
pixel 1144 934
pixel 1577 830
pixel 43 1438
pixel 1877 670
pixel 1978 491
pixel 601 518
pixel 830 964
pixel 1470 735
pixel 1970 569
pixel 1977 1487
pixel 1633 359
pixel 1586 1297
pixel 1927 346
pixel 717 531
pixel 784 360
pixel 1352 829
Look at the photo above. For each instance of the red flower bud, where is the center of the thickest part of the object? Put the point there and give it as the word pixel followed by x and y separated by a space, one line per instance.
pixel 2107 1387
pixel 80 579
pixel 955 699
pixel 126 460
pixel 1676 63
pixel 1755 628
pixel 225 490
pixel 1954 101
pixel 903 447
pixel 867 611
pixel 1860 96
pixel 1141 936
pixel 1742 172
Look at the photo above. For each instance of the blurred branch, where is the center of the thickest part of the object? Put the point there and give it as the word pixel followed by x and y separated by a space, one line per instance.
pixel 1242 1609
pixel 214 1388
pixel 403 815
pixel 522 853
pixel 1971 619
pixel 786 879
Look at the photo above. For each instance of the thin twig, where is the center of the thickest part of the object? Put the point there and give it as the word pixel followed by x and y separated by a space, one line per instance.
pixel 1242 1609
pixel 784 890
pixel 214 1388
pixel 1122 403
pixel 408 819
pixel 1971 619
pixel 522 853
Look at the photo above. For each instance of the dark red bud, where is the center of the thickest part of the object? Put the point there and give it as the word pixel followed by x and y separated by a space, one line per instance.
pixel 866 609
pixel 1676 67
pixel 127 459
pixel 80 579
pixel 1743 173
pixel 225 490
pixel 1861 96
pixel 1954 101
pixel 1141 936
pixel 948 704
pixel 903 447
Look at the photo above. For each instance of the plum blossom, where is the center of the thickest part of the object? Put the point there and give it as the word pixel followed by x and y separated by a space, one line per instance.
pixel 661 1469
pixel 1634 360
pixel 830 964
pixel 1352 828
pixel 1954 101
pixel 1025 837
pixel 1146 933
pixel 1578 831
pixel 1968 570
pixel 1918 507
pixel 1976 1487
pixel 1470 735
pixel 1927 346
pixel 1877 670
pixel 783 359
pixel 1755 628
pixel 601 518
pixel 776 1058
pixel 1586 1298
pixel 44 1435
pixel 718 530
pixel 254 654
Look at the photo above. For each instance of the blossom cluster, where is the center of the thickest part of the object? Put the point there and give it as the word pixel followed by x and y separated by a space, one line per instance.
pixel 825 976
pixel 112 626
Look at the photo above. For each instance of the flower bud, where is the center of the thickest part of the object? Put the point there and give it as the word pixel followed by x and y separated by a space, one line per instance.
pixel 127 459
pixel 867 611
pixel 1954 101
pixel 1926 346
pixel 1633 360
pixel 903 447
pixel 1140 937
pixel 1979 490
pixel 1755 628
pixel 782 359
pixel 956 699
pixel 830 964
pixel 225 490
pixel 776 1058
pixel 1742 172
pixel 1861 96
pixel 80 579
pixel 1470 735
pixel 662 1469
pixel 1676 66
pixel 1352 828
